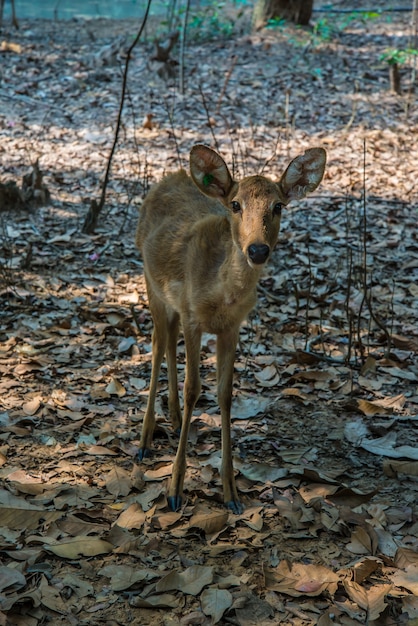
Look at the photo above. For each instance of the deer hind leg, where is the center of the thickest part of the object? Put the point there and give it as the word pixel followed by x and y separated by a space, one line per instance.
pixel 171 355
pixel 192 338
pixel 159 344
pixel 225 356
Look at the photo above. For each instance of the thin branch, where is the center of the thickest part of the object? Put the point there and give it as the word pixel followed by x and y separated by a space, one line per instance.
pixel 208 117
pixel 225 85
pixel 173 130
pixel 92 216
pixel 367 297
pixel 183 46
pixel 380 11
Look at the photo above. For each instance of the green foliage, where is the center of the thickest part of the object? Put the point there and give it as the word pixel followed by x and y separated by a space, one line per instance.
pixel 323 30
pixel 276 22
pixel 396 56
pixel 355 16
pixel 210 23
pixel 205 23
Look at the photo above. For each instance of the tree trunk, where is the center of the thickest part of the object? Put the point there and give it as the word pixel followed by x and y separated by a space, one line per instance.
pixel 297 11
pixel 395 78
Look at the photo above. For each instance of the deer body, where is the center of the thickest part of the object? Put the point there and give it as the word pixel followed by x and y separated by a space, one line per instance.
pixel 207 276
pixel 205 240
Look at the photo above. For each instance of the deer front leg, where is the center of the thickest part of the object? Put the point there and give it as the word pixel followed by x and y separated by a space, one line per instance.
pixel 159 343
pixel 192 339
pixel 225 356
pixel 173 390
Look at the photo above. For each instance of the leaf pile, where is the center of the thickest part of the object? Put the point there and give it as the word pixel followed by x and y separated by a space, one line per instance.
pixel 325 403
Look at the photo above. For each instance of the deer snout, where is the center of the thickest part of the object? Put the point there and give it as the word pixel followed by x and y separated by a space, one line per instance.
pixel 258 253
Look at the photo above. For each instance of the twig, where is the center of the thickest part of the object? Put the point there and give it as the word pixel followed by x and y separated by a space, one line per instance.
pixel 135 317
pixel 225 85
pixel 353 110
pixel 269 159
pixel 380 11
pixel 367 298
pixel 173 130
pixel 308 297
pixel 92 216
pixel 348 310
pixel 231 139
pixel 414 44
pixel 205 106
pixel 183 46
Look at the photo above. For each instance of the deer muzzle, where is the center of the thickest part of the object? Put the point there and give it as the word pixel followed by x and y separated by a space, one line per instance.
pixel 258 253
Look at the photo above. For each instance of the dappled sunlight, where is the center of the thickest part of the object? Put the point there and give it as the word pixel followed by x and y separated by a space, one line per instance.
pixel 324 405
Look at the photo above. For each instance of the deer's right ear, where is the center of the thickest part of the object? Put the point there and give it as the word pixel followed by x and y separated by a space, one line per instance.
pixel 210 172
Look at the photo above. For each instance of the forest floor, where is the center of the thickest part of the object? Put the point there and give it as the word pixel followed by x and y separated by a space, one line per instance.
pixel 325 406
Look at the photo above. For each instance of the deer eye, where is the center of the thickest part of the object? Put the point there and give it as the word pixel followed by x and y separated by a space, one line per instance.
pixel 235 206
pixel 277 209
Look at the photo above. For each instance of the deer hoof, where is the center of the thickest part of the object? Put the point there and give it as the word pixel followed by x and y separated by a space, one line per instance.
pixel 144 453
pixel 174 503
pixel 235 506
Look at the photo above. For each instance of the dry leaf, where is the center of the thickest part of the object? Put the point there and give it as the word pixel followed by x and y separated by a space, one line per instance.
pixel 362 541
pixel 297 579
pixel 76 547
pixel 407 578
pixel 215 602
pixel 371 599
pixel 405 557
pixel 208 520
pixel 385 446
pixel 393 468
pixel 10 577
pixel 133 517
pixel 190 581
pixel 162 601
pixel 118 482
pixel 31 407
pixel 384 405
pixel 115 388
pixel 124 576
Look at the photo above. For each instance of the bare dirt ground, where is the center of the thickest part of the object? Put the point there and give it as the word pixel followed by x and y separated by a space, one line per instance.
pixel 326 389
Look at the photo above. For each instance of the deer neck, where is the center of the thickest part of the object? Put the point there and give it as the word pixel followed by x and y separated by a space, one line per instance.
pixel 238 276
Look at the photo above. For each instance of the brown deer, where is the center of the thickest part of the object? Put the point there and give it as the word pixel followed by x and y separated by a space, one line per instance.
pixel 204 241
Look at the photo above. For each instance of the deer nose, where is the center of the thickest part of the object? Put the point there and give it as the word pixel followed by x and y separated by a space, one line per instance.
pixel 258 252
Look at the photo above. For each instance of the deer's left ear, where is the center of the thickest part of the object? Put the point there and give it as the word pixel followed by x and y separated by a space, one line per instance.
pixel 303 174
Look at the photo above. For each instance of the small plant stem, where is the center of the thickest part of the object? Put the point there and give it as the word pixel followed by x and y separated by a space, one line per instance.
pixel 92 216
pixel 173 130
pixel 367 296
pixel 208 117
pixel 308 298
pixel 348 310
pixel 225 85
pixel 183 47
pixel 414 44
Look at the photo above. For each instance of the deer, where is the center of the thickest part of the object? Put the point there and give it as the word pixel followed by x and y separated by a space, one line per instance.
pixel 205 239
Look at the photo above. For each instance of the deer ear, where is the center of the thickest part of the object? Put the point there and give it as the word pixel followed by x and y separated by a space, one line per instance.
pixel 210 172
pixel 303 174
